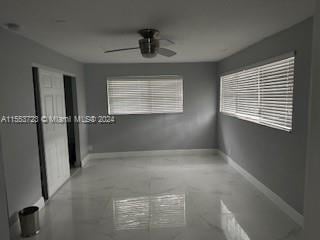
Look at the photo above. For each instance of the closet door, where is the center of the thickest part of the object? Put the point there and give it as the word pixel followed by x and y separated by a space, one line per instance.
pixel 54 134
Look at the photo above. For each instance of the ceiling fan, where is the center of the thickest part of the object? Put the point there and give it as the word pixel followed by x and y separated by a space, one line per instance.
pixel 149 45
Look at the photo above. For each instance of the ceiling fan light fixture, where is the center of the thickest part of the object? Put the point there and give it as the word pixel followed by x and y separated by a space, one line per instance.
pixel 149 55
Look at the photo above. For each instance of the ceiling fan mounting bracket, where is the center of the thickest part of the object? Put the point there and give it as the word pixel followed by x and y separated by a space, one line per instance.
pixel 149 33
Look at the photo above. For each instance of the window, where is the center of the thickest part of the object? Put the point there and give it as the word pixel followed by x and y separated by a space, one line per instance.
pixel 262 94
pixel 145 95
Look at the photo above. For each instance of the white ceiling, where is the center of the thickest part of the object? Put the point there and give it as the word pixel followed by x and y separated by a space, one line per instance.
pixel 203 30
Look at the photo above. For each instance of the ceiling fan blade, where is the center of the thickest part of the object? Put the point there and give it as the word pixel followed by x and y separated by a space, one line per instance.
pixel 166 52
pixel 166 42
pixel 121 49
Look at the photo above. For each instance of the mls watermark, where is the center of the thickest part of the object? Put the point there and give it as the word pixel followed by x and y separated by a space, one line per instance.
pixel 85 119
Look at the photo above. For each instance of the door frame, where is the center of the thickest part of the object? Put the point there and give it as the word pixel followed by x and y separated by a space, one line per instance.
pixel 38 112
pixel 42 158
pixel 71 100
pixel 4 213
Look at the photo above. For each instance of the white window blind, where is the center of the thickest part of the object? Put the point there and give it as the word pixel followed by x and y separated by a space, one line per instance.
pixel 262 94
pixel 145 95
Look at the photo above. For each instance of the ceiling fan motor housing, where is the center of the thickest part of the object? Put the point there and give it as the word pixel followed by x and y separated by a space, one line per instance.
pixel 149 47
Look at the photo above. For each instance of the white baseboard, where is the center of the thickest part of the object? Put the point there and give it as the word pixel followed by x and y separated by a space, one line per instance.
pixel 85 160
pixel 40 203
pixel 285 207
pixel 154 153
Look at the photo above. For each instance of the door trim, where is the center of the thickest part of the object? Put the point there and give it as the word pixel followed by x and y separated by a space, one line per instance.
pixel 5 233
pixel 71 100
pixel 42 159
pixel 36 65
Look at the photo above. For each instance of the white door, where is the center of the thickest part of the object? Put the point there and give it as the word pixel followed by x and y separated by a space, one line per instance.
pixel 54 133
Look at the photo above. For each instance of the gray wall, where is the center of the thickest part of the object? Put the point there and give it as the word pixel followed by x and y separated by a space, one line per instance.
pixel 312 200
pixel 20 147
pixel 275 157
pixel 4 223
pixel 193 129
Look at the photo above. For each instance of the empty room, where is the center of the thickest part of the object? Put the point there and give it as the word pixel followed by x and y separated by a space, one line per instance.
pixel 171 120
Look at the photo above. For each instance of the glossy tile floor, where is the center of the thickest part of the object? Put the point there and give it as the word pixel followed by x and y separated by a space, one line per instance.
pixel 195 197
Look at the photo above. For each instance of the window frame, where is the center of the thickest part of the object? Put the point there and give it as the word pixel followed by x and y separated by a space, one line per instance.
pixel 285 56
pixel 146 78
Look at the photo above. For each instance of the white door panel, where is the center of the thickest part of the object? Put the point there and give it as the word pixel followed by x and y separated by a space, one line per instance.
pixel 54 134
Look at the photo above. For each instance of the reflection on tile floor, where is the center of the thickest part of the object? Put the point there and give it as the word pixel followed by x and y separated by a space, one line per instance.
pixel 170 197
pixel 231 227
pixel 163 211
